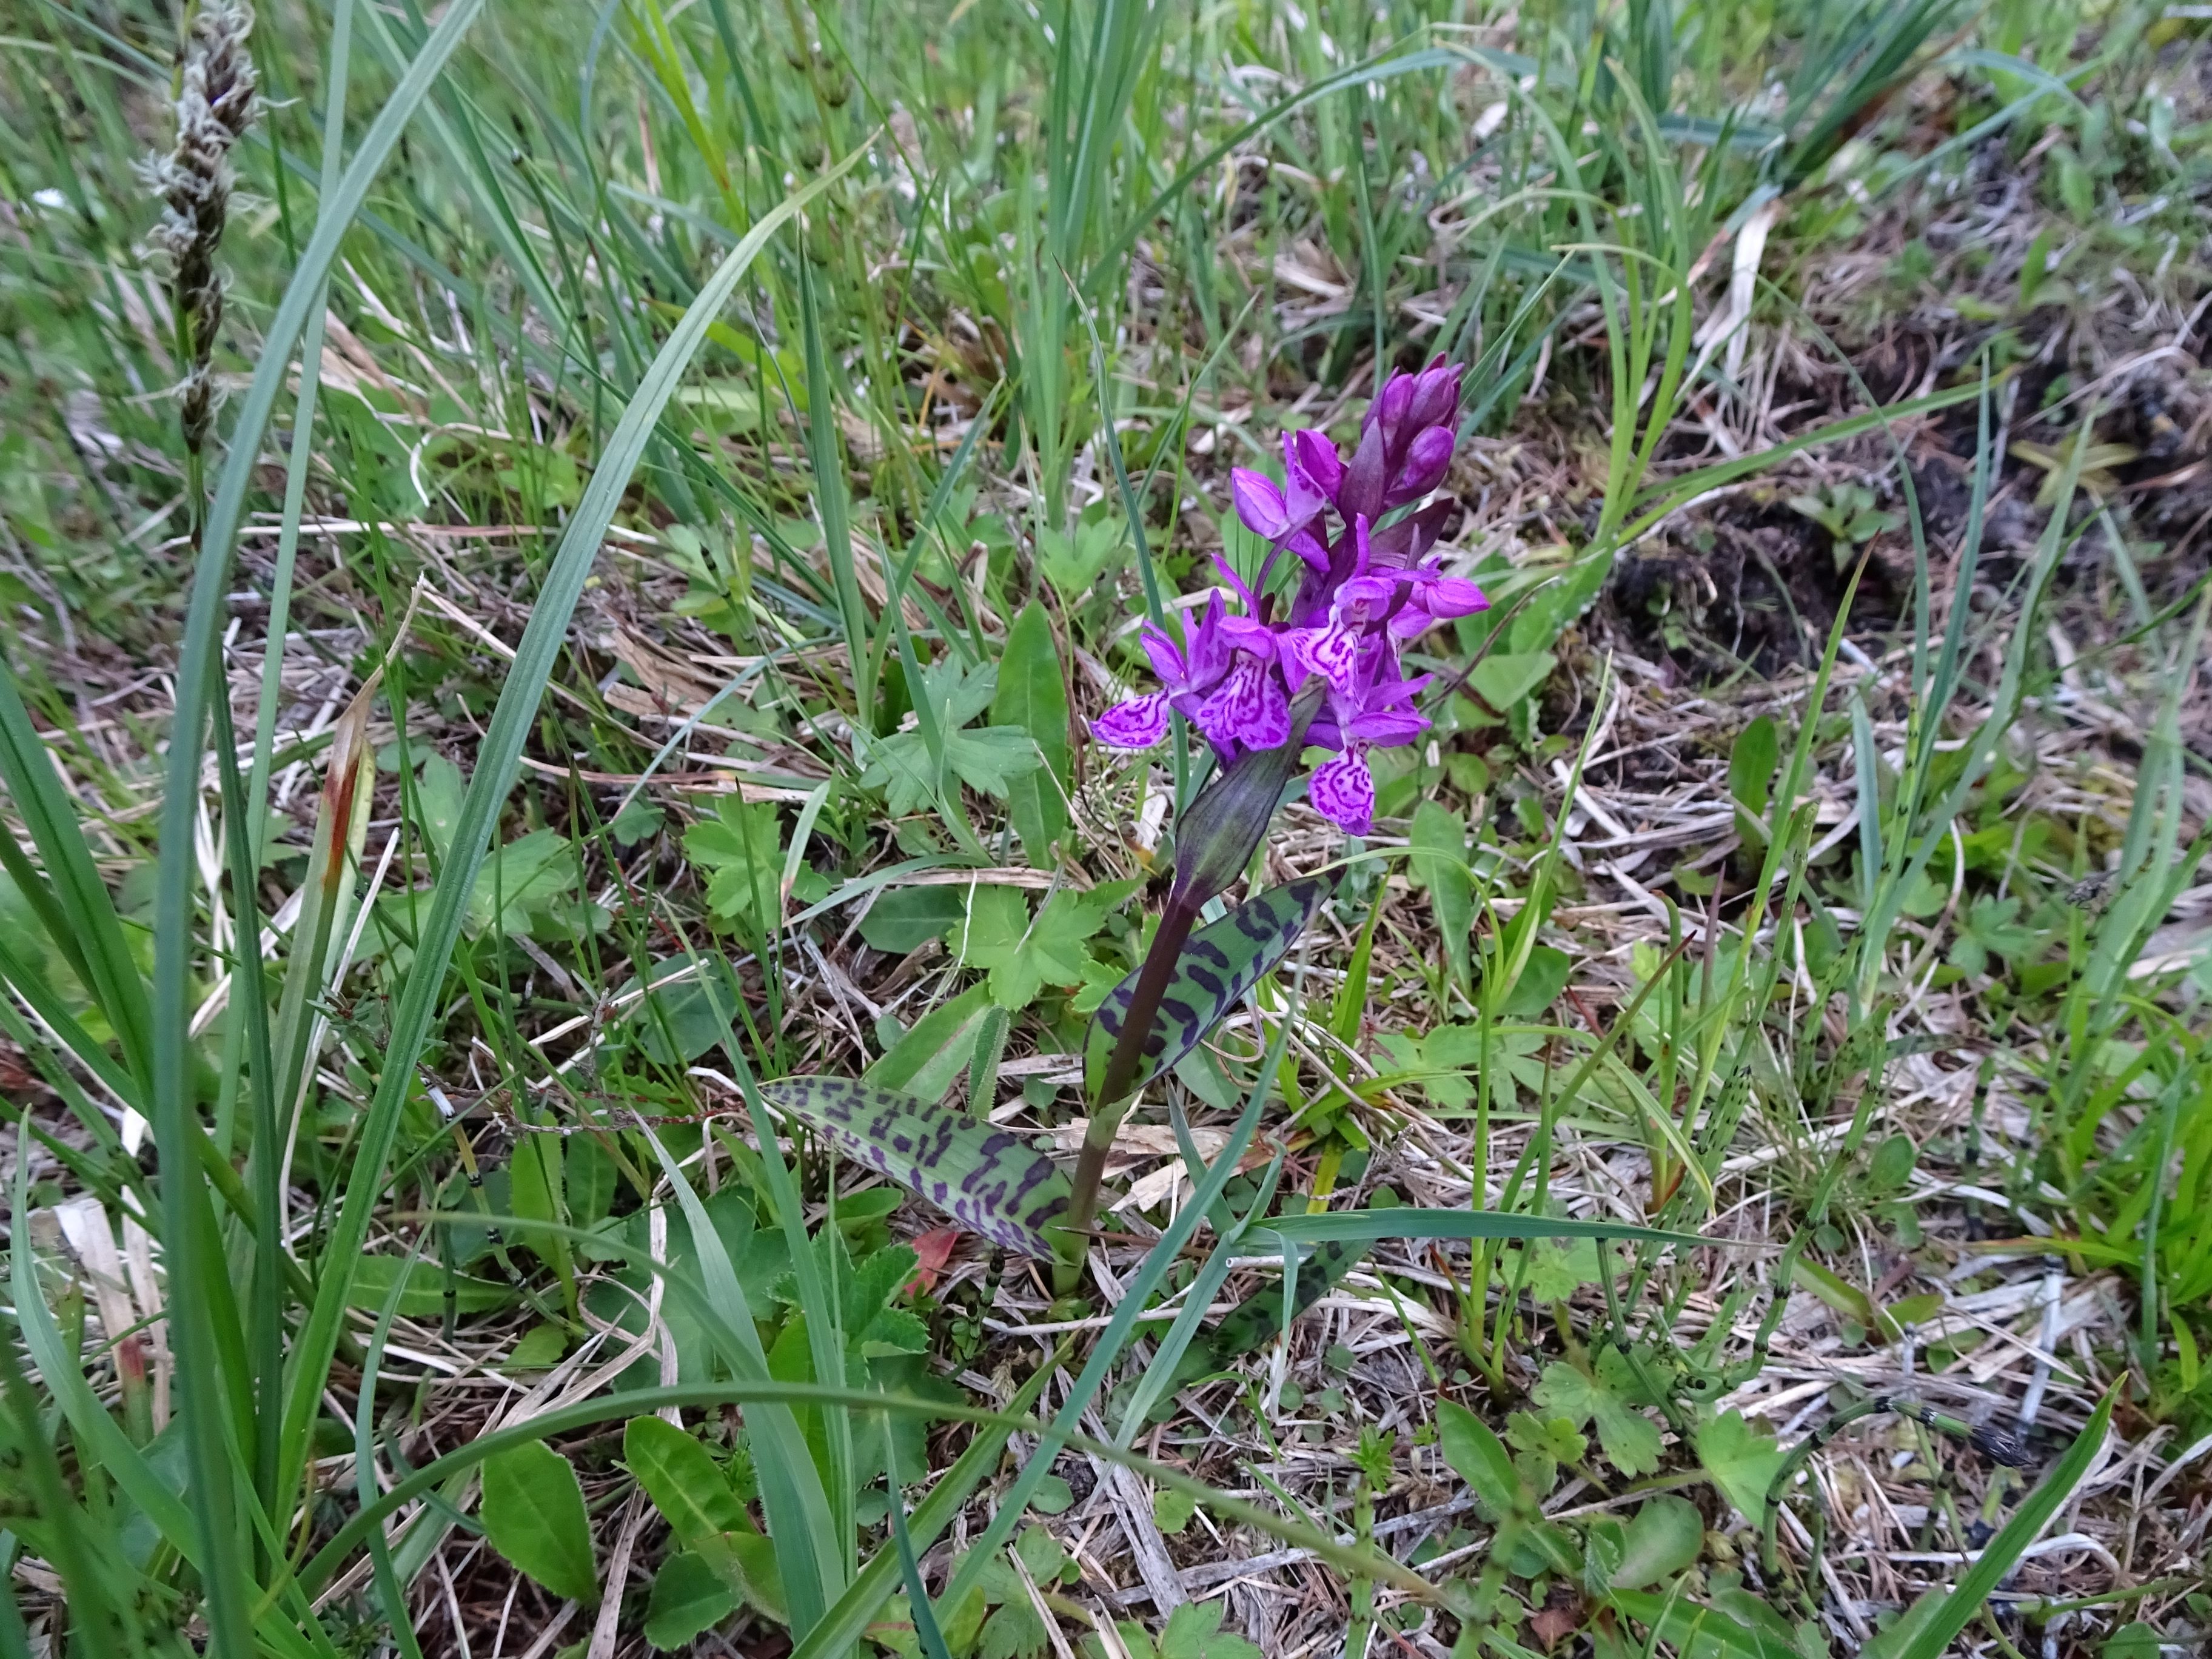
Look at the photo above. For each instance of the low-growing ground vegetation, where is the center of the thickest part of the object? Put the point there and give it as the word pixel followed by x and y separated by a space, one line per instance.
pixel 583 815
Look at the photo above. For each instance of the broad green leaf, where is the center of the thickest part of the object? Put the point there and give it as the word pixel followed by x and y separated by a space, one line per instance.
pixel 1630 1439
pixel 1172 1511
pixel 685 1482
pixel 1663 1537
pixel 1556 1271
pixel 1752 760
pixel 1193 1632
pixel 1540 1444
pixel 687 1011
pixel 1439 864
pixel 750 1557
pixel 1700 1632
pixel 907 918
pixel 1741 1461
pixel 925 1061
pixel 1478 1457
pixel 1074 563
pixel 688 1595
pixel 982 1177
pixel 1543 976
pixel 989 760
pixel 1218 965
pixel 1025 955
pixel 1504 678
pixel 517 883
pixel 438 792
pixel 742 847
pixel 424 1297
pixel 1032 698
pixel 533 1513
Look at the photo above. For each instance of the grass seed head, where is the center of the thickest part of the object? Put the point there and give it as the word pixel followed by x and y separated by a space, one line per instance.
pixel 216 104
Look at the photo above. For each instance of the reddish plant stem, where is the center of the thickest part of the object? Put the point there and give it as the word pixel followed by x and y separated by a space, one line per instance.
pixel 1128 1051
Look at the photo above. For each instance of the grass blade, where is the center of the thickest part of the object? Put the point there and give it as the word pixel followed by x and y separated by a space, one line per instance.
pixel 497 759
pixel 1965 1598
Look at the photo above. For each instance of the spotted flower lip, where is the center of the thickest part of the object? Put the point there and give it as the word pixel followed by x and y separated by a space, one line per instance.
pixel 1367 588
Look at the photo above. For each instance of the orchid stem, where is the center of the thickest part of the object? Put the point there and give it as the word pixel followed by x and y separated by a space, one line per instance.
pixel 1112 1104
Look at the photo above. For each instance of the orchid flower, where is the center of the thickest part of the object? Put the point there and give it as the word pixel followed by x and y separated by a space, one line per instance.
pixel 1367 588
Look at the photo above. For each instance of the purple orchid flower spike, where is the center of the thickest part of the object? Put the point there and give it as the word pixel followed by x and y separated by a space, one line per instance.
pixel 1250 670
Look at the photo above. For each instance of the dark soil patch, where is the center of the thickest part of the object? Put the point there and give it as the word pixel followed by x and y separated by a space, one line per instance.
pixel 1749 583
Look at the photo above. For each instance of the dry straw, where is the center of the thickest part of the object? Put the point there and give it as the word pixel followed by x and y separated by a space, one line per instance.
pixel 214 106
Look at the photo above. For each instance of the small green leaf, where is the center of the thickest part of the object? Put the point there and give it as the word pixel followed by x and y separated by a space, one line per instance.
pixel 1892 1164
pixel 1024 956
pixel 1699 1633
pixel 1742 1461
pixel 1193 1632
pixel 1555 1437
pixel 2136 1641
pixel 438 796
pixel 688 1595
pixel 1172 1511
pixel 1543 976
pixel 1630 1440
pixel 925 1059
pixel 1032 698
pixel 1218 965
pixel 541 1348
pixel 687 1009
pixel 983 1177
pixel 742 848
pixel 1664 1536
pixel 907 918
pixel 1438 840
pixel 519 880
pixel 1504 678
pixel 424 1297
pixel 1752 760
pixel 533 1513
pixel 684 1483
pixel 1053 1495
pixel 749 1559
pixel 1556 1271
pixel 1479 1458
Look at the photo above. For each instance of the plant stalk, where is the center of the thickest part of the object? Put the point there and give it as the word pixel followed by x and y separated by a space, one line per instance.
pixel 1112 1104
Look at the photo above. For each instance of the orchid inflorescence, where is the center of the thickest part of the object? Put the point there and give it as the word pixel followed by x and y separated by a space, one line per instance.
pixel 1366 591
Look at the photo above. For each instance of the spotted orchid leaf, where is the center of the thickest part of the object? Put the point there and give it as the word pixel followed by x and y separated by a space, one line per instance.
pixel 1218 964
pixel 984 1178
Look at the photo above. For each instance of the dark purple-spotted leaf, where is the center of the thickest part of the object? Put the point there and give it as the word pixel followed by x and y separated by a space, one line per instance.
pixel 984 1178
pixel 1218 965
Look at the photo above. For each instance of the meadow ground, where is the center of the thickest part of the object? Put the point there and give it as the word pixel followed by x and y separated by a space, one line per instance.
pixel 557 566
